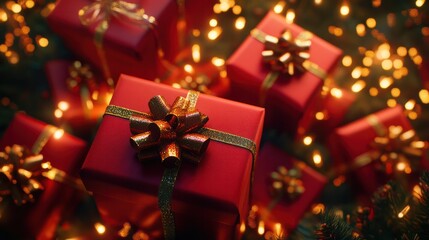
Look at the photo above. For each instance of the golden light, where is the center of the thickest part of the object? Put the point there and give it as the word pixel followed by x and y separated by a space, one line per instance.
pixel 317 158
pixel 396 92
pixel 336 92
pixel 3 15
pixel 424 96
pixel 43 42
pixel 307 140
pixel 410 104
pixel 214 33
pixel 320 116
pixel 317 2
pixel 89 104
pixel 188 68
pixel 196 53
pixel 100 228
pixel 213 22
pixel 360 30
pixel 404 211
pixel 25 30
pixel 16 8
pixel 357 72
pixel 347 61
pixel 318 208
pixel 420 3
pixel 58 113
pixel 290 16
pixel 398 64
pixel 63 105
pixel 240 23
pixel 196 32
pixel 385 82
pixel 224 6
pixel 401 51
pixel 336 31
pixel 29 4
pixel 278 229
pixel 412 52
pixel 261 228
pixel 242 227
pixel 397 74
pixel 30 47
pixel 3 48
pixel 46 165
pixel 14 58
pixel 216 8
pixel 365 72
pixel 383 51
pixel 236 9
pixel 417 191
pixel 108 97
pixel 373 91
pixel 376 3
pixel 386 64
pixel 59 133
pixel 370 53
pixel 358 86
pixel 391 102
pixel 223 74
pixel 344 9
pixel 371 23
pixel 339 180
pixel 413 116
pixel 400 166
pixel 418 60
pixel 218 62
pixel 367 61
pixel 425 31
pixel 404 71
pixel 279 7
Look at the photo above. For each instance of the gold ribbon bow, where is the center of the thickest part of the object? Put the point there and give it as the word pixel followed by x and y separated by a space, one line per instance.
pixel 19 170
pixel 171 132
pixel 287 182
pixel 81 76
pixel 285 55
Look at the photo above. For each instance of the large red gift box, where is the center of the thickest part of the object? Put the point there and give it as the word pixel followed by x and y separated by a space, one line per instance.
pixel 129 48
pixel 78 115
pixel 287 213
pixel 290 98
pixel 39 219
pixel 351 141
pixel 209 200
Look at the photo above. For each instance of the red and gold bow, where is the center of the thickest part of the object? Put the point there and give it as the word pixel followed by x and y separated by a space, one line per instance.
pixel 170 132
pixel 19 170
pixel 397 150
pixel 81 75
pixel 287 182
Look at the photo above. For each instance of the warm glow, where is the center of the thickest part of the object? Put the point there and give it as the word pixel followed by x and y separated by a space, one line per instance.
pixel 101 229
pixel 417 191
pixel 358 86
pixel 196 53
pixel 214 33
pixel 347 61
pixel 63 105
pixel 398 64
pixel 371 23
pixel 317 158
pixel 261 228
pixel 418 59
pixel 213 22
pixel 420 3
pixel 58 113
pixel 278 8
pixel 401 51
pixel 373 91
pixel 413 116
pixel 3 15
pixel 385 82
pixel 383 51
pixel 404 211
pixel 391 102
pixel 320 116
pixel 376 3
pixel 89 104
pixel 317 2
pixel 396 92
pixel 29 3
pixel 357 72
pixel 240 23
pixel 242 227
pixel 218 62
pixel 424 96
pixel 365 72
pixel 307 140
pixel 188 68
pixel 290 16
pixel 397 74
pixel 386 64
pixel 339 180
pixel 46 165
pixel 345 9
pixel 336 92
pixel 236 9
pixel 58 133
pixel 335 31
pixel 401 166
pixel 412 52
pixel 410 104
pixel 360 30
pixel 318 208
pixel 16 8
pixel 278 229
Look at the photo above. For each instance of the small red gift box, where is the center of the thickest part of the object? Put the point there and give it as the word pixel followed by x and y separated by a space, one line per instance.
pixel 128 47
pixel 350 144
pixel 65 152
pixel 209 200
pixel 289 100
pixel 77 112
pixel 198 13
pixel 287 213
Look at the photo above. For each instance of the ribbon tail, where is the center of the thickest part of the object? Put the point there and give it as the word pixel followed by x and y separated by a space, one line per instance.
pixel 164 201
pixel 315 69
pixel 86 102
pixel 98 41
pixel 268 82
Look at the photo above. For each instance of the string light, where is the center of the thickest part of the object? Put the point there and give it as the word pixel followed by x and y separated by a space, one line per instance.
pixel 420 3
pixel 371 23
pixel 63 105
pixel 318 208
pixel 385 82
pixel 336 92
pixel 213 22
pixel 358 86
pixel 100 228
pixel 58 113
pixel 347 61
pixel 317 2
pixel 410 104
pixel 344 9
pixel 391 102
pixel 317 158
pixel 240 22
pixel 395 92
pixel 279 7
pixel 218 62
pixel 196 53
pixel 290 16
pixel 214 33
pixel 58 134
pixel 320 116
pixel 373 91
pixel 424 96
pixel 360 30
pixel 404 211
pixel 307 140
pixel 261 228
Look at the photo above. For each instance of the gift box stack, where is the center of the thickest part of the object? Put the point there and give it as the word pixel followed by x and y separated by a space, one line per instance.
pixel 180 148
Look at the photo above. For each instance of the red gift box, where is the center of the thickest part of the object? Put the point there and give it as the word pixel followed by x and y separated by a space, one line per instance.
pixel 351 141
pixel 208 200
pixel 39 219
pixel 287 213
pixel 290 98
pixel 78 115
pixel 129 48
pixel 198 13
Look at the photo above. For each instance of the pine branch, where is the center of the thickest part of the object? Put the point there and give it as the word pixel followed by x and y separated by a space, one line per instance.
pixel 335 228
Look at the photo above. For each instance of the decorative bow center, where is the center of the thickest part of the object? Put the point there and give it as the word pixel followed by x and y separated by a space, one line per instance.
pixel 102 10
pixel 80 75
pixel 286 53
pixel 287 182
pixel 19 169
pixel 398 150
pixel 170 132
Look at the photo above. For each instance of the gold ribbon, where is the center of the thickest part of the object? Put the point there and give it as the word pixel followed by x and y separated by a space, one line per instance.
pixel 20 170
pixel 287 182
pixel 181 125
pixel 285 55
pixel 100 11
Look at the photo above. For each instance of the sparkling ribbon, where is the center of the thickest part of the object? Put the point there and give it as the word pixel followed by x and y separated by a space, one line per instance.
pixel 285 55
pixel 287 182
pixel 21 169
pixel 179 134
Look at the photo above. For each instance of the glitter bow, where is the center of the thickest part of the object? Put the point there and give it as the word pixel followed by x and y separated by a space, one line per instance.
pixel 397 150
pixel 81 76
pixel 170 132
pixel 19 169
pixel 287 182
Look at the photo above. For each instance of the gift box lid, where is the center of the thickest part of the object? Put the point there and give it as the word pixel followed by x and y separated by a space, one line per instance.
pixel 247 62
pixel 221 181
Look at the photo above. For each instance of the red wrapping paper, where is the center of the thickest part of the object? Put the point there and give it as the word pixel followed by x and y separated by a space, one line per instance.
pixel 289 101
pixel 353 139
pixel 38 219
pixel 208 200
pixel 128 48
pixel 198 13
pixel 288 214
pixel 82 122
